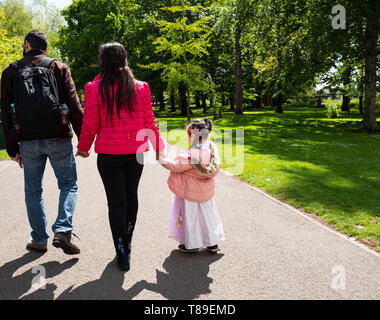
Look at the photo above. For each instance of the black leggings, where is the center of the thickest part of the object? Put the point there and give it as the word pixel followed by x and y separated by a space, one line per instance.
pixel 121 177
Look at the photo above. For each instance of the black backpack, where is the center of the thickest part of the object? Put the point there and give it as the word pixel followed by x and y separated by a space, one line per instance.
pixel 36 100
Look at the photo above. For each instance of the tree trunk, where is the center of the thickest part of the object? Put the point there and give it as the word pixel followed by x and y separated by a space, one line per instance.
pixel 162 100
pixel 268 100
pixel 346 103
pixel 238 73
pixel 204 103
pixel 197 100
pixel 188 104
pixel 211 98
pixel 224 100
pixel 279 102
pixel 372 35
pixel 172 102
pixel 361 105
pixel 232 102
pixel 183 98
pixel 319 104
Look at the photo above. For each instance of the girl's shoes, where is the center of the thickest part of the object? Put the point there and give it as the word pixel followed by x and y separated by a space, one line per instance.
pixel 182 248
pixel 214 249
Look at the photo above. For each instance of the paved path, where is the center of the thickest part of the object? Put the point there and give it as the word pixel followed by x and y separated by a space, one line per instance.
pixel 271 251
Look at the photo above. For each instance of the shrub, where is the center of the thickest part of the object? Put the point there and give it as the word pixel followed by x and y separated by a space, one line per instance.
pixel 332 108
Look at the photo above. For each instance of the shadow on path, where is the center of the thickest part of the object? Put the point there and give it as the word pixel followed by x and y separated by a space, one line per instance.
pixel 108 287
pixel 12 288
pixel 186 276
pixel 186 279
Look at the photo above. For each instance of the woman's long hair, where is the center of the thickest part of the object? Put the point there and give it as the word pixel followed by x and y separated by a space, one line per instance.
pixel 114 69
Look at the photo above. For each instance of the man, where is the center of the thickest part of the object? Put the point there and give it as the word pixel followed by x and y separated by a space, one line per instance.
pixel 32 153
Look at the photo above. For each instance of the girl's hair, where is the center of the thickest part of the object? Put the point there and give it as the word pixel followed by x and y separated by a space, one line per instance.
pixel 202 129
pixel 114 68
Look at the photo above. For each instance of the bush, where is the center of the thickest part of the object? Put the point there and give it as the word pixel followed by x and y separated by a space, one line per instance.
pixel 332 108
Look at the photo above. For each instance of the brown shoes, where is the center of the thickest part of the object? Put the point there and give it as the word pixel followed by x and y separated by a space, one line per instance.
pixel 33 246
pixel 63 241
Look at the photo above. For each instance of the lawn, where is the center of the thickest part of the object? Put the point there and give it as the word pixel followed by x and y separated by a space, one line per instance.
pixel 321 166
pixel 3 154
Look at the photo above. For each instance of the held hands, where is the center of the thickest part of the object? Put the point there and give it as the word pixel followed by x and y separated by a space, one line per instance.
pixel 82 154
pixel 162 157
pixel 18 159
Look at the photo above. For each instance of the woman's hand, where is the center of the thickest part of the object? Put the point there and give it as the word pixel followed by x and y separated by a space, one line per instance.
pixel 82 154
pixel 18 159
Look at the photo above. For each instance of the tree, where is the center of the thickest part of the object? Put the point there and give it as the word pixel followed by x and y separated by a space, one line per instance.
pixel 234 18
pixel 48 19
pixel 184 43
pixel 18 20
pixel 10 47
pixel 371 52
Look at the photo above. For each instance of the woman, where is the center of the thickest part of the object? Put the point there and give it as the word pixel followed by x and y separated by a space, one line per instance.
pixel 118 111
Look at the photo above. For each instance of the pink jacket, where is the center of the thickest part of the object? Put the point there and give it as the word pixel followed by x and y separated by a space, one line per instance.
pixel 192 181
pixel 129 135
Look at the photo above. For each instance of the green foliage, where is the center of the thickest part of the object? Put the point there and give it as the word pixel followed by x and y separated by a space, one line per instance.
pixel 10 47
pixel 18 20
pixel 47 18
pixel 184 43
pixel 332 108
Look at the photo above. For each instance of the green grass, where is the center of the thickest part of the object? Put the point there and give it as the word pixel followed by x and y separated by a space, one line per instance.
pixel 3 154
pixel 323 166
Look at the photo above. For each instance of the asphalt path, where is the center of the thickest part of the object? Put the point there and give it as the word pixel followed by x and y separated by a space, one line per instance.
pixel 272 251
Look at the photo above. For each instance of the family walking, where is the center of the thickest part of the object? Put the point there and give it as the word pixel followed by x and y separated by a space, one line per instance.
pixel 40 110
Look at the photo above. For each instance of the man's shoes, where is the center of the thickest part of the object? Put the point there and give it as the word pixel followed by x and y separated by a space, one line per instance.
pixel 182 248
pixel 213 249
pixel 63 241
pixel 33 246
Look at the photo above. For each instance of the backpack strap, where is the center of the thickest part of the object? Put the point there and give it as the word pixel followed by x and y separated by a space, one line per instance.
pixel 18 65
pixel 46 62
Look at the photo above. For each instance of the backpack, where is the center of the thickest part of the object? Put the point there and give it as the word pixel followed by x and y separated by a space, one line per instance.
pixel 36 101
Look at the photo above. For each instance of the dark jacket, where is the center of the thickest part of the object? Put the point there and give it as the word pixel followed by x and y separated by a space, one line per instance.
pixel 67 94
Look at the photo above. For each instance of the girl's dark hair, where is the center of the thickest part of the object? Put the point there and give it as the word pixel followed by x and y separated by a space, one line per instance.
pixel 114 69
pixel 202 128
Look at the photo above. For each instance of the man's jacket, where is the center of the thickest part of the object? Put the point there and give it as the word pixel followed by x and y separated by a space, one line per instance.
pixel 67 95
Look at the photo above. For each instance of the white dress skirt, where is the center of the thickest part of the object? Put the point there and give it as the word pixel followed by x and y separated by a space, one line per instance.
pixel 195 224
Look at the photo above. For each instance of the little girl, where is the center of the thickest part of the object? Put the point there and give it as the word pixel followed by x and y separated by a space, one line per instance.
pixel 194 219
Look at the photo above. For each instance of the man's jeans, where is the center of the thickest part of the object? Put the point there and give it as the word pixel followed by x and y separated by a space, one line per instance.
pixel 34 155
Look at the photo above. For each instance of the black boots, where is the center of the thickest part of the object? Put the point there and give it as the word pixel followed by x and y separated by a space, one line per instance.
pixel 123 252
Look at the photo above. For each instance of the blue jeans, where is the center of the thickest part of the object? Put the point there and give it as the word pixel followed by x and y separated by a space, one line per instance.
pixel 34 155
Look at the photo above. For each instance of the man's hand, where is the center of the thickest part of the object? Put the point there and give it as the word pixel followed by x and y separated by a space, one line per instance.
pixel 82 154
pixel 18 159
